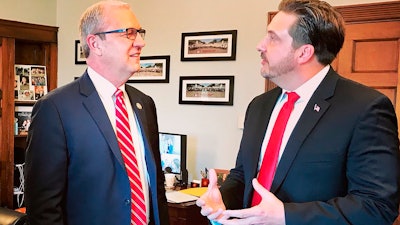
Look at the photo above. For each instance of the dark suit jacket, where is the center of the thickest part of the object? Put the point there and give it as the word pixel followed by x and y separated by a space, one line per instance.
pixel 340 165
pixel 74 169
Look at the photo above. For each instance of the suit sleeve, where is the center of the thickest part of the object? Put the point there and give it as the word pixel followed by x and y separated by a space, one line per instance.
pixel 372 174
pixel 46 166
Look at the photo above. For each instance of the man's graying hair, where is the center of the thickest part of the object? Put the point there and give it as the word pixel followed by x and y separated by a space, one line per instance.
pixel 318 24
pixel 93 20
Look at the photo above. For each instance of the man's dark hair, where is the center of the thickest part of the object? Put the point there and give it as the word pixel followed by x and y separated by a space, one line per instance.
pixel 318 24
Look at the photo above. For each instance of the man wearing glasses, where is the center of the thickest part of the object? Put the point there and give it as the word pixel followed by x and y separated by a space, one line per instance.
pixel 93 148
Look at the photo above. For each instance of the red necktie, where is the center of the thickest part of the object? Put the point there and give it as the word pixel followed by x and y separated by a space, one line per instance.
pixel 125 141
pixel 270 160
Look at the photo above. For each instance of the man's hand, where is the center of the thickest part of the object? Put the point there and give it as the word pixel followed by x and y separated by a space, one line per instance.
pixel 211 202
pixel 270 210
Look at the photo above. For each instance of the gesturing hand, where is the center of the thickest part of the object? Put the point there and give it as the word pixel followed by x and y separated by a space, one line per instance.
pixel 269 211
pixel 211 202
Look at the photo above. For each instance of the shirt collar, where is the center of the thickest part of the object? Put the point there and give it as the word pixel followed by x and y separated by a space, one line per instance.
pixel 104 87
pixel 306 90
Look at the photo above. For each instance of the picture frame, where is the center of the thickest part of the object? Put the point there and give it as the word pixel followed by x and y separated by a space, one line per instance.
pixel 209 46
pixel 79 56
pixel 206 90
pixel 222 174
pixel 153 69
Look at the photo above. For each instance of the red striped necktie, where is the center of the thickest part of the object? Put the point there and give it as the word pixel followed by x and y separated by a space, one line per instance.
pixel 125 141
pixel 270 160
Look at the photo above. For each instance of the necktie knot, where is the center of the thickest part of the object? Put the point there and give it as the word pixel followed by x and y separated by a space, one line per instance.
pixel 292 97
pixel 118 93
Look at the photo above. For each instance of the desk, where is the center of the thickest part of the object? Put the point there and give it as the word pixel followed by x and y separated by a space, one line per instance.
pixel 187 213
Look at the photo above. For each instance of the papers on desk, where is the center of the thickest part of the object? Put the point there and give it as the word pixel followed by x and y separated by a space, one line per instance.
pixel 199 191
pixel 179 197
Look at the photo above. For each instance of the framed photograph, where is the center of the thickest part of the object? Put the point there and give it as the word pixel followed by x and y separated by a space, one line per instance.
pixel 209 46
pixel 222 174
pixel 79 56
pixel 206 90
pixel 153 69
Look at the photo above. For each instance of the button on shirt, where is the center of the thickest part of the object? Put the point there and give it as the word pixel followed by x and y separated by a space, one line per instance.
pixel 305 92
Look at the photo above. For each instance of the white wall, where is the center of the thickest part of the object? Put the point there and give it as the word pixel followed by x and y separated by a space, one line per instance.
pixel 213 133
pixel 37 11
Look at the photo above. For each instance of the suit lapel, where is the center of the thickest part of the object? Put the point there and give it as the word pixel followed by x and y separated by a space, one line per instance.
pixel 139 109
pixel 140 112
pixel 314 110
pixel 257 131
pixel 95 108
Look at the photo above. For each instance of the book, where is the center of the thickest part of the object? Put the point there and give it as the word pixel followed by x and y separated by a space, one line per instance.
pixel 22 119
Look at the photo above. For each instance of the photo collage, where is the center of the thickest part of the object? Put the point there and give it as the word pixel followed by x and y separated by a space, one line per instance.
pixel 30 82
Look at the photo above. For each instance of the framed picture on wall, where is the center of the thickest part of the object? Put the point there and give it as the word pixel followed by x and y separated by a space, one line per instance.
pixel 209 46
pixel 206 90
pixel 79 56
pixel 153 69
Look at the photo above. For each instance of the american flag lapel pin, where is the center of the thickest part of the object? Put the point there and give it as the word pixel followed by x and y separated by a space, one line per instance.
pixel 316 108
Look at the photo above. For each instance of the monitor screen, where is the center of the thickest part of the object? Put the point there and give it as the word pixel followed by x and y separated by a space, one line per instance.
pixel 173 152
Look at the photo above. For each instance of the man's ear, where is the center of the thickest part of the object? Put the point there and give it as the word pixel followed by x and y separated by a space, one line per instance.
pixel 305 53
pixel 94 44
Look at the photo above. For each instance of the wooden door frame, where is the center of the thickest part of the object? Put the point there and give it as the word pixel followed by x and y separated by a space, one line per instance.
pixel 7 120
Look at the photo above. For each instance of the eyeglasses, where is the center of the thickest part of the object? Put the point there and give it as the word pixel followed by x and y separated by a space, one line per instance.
pixel 130 33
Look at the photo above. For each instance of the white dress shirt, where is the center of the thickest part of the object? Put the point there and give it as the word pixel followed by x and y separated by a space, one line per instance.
pixel 305 92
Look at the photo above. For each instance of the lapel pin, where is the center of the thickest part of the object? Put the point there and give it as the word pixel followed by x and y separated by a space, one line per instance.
pixel 316 108
pixel 138 105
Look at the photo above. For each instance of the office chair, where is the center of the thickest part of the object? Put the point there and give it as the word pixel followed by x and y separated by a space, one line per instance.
pixel 11 217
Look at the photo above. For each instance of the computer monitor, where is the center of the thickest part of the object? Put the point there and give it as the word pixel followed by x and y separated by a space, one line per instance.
pixel 173 154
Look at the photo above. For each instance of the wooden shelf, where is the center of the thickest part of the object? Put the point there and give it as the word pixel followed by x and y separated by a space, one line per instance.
pixel 21 136
pixel 28 44
pixel 24 103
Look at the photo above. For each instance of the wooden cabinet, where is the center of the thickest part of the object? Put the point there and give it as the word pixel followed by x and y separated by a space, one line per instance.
pixel 185 213
pixel 20 43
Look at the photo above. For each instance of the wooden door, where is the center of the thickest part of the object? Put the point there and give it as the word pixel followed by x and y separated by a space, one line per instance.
pixel 370 53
